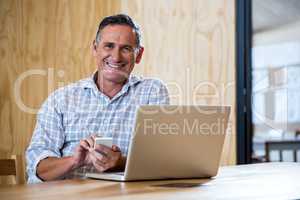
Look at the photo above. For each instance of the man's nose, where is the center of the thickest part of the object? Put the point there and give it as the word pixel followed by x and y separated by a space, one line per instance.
pixel 116 54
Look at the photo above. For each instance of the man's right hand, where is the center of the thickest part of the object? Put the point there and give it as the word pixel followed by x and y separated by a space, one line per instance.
pixel 81 156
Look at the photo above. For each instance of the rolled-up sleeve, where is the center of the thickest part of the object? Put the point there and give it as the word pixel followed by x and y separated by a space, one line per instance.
pixel 47 139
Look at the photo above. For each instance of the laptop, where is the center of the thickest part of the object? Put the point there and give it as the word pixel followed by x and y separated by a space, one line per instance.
pixel 174 142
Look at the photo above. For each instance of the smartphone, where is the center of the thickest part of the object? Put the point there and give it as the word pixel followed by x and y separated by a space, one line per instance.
pixel 107 141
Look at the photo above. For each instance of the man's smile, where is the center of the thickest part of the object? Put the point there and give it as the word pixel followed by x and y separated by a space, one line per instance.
pixel 114 65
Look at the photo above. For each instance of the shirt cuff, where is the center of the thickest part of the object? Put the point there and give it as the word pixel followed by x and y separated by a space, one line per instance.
pixel 33 177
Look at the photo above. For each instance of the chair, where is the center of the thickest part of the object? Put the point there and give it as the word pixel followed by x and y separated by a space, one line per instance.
pixel 7 167
pixel 280 146
pixel 13 166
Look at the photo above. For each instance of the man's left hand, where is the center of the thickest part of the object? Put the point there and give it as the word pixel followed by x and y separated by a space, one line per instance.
pixel 105 158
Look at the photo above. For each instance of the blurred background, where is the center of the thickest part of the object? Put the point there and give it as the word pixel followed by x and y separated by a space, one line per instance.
pixel 275 80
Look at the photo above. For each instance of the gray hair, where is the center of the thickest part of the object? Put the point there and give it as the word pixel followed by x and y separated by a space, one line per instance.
pixel 120 19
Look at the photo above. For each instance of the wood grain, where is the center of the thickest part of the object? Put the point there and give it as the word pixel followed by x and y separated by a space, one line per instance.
pixel 256 181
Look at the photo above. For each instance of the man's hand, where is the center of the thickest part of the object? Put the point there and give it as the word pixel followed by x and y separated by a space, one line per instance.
pixel 81 155
pixel 105 158
pixel 102 157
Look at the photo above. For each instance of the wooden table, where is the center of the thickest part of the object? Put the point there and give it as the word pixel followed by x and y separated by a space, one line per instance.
pixel 256 181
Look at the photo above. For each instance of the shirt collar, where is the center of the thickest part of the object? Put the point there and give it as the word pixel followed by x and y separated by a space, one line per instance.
pixel 90 82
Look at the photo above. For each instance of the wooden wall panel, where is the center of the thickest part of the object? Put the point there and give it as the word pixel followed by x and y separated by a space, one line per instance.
pixel 190 45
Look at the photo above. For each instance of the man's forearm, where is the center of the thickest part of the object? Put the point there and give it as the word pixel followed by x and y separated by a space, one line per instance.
pixel 52 168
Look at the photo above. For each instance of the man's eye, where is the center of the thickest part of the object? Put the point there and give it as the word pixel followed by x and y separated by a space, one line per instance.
pixel 108 46
pixel 127 49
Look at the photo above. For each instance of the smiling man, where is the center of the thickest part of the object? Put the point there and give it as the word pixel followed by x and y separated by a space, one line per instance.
pixel 103 104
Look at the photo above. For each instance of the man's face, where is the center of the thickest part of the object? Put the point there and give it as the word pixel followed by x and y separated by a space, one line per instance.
pixel 116 53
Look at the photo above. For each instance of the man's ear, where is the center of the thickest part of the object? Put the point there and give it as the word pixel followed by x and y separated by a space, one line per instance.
pixel 139 55
pixel 94 48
